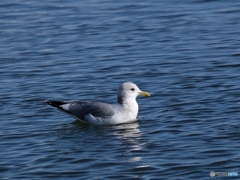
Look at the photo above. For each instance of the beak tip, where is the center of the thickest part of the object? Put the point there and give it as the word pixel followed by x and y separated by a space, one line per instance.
pixel 144 93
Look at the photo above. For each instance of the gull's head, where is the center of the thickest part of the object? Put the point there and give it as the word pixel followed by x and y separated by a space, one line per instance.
pixel 129 90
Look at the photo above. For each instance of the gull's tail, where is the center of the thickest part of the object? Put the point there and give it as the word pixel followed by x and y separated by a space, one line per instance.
pixel 72 108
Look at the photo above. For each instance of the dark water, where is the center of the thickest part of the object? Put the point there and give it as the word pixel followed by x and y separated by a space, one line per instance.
pixel 186 54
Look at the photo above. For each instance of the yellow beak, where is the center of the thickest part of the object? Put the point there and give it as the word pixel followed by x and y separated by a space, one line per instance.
pixel 144 93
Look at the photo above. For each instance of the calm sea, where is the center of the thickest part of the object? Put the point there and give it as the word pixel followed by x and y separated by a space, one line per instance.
pixel 186 54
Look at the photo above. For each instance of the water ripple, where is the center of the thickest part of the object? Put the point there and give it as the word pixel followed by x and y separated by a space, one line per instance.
pixel 184 53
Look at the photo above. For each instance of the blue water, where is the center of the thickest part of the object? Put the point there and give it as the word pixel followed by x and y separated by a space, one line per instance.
pixel 184 53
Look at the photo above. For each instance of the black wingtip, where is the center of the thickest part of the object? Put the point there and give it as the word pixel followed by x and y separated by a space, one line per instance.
pixel 53 103
pixel 46 101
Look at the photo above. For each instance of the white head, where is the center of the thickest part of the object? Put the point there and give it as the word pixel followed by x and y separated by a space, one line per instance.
pixel 129 90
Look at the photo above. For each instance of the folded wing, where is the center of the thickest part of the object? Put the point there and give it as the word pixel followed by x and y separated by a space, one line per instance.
pixel 79 109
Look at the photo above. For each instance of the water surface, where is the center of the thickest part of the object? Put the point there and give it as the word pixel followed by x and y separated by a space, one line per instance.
pixel 185 54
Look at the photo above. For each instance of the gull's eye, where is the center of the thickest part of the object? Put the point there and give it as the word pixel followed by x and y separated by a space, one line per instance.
pixel 132 89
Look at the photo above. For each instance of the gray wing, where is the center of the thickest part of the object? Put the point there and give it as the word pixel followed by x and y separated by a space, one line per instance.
pixel 79 109
pixel 97 109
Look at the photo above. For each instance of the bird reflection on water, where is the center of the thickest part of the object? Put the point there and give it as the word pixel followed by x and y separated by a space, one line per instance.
pixel 85 137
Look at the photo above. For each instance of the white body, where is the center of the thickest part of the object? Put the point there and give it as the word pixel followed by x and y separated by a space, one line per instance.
pixel 126 110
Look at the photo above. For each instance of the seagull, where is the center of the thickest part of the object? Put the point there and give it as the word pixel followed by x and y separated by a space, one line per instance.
pixel 103 113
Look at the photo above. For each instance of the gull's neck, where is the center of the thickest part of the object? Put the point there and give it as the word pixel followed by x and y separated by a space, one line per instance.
pixel 130 104
pixel 120 100
pixel 126 100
